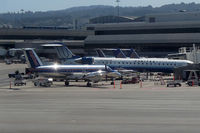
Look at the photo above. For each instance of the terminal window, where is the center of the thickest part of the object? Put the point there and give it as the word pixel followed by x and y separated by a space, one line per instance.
pixel 152 19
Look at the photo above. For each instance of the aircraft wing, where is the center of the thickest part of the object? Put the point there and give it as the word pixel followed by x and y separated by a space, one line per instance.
pixel 126 72
pixel 97 76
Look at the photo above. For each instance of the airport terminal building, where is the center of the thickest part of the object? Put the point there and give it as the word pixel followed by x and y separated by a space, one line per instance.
pixel 152 35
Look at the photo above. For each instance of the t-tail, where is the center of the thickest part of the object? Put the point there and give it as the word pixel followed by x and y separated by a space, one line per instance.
pixel 32 58
pixel 119 54
pixel 64 53
pixel 133 54
pixel 100 53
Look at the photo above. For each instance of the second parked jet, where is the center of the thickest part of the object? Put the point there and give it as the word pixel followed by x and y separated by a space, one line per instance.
pixel 89 73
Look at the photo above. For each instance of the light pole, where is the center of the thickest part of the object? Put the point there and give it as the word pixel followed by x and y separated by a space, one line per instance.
pixel 22 15
pixel 117 1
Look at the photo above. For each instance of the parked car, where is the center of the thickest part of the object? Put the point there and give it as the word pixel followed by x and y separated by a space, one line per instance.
pixel 174 83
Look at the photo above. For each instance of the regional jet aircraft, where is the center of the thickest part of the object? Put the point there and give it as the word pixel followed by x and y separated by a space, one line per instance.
pixel 133 54
pixel 136 64
pixel 89 73
pixel 100 53
pixel 118 53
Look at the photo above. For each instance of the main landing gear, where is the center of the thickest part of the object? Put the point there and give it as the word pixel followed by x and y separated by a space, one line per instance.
pixel 66 83
pixel 89 84
pixel 112 82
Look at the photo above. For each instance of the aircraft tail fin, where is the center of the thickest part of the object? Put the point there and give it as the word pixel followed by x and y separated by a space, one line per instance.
pixel 119 54
pixel 133 54
pixel 64 53
pixel 100 53
pixel 32 58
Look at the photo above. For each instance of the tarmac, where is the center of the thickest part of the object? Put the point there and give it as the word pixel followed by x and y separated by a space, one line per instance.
pixel 102 108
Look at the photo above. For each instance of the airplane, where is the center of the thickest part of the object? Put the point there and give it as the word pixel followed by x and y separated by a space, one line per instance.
pixel 119 53
pixel 67 57
pixel 100 53
pixel 64 54
pixel 142 64
pixel 135 64
pixel 89 73
pixel 133 54
pixel 3 52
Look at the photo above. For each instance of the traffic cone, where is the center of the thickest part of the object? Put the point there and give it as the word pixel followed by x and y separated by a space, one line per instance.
pixel 10 85
pixel 141 84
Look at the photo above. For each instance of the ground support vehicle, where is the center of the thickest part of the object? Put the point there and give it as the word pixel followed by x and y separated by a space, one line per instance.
pixel 174 83
pixel 19 82
pixel 132 80
pixel 193 82
pixel 44 82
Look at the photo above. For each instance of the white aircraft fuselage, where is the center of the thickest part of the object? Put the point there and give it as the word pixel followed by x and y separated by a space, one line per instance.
pixel 135 64
pixel 139 64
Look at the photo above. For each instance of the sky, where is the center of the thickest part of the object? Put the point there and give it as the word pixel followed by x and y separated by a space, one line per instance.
pixel 46 5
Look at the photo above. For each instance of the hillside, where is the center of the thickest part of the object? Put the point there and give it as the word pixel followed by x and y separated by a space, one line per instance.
pixel 66 17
